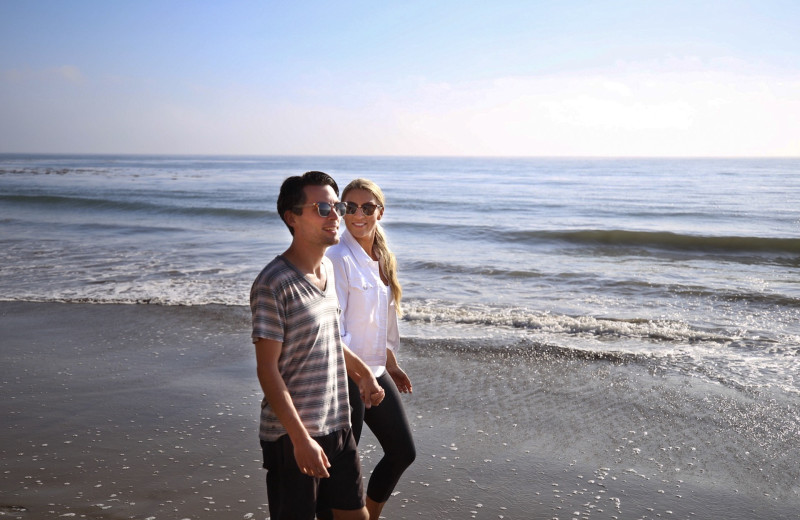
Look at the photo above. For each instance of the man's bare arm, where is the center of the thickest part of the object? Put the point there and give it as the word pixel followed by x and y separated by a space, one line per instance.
pixel 371 392
pixel 307 452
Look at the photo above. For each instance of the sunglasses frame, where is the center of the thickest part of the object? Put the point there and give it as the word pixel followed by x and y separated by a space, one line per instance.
pixel 339 207
pixel 362 207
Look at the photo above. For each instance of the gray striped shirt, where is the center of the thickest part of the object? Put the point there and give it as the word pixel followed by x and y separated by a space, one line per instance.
pixel 288 308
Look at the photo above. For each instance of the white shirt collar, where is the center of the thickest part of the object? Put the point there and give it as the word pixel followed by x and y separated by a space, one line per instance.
pixel 356 250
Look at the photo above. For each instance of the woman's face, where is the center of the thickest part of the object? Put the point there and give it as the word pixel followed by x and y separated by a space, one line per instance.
pixel 358 224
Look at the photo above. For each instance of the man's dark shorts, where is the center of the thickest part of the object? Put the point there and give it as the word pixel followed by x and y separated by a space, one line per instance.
pixel 294 495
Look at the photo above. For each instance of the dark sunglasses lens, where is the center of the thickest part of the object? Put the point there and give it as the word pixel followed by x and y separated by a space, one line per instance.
pixel 368 209
pixel 324 209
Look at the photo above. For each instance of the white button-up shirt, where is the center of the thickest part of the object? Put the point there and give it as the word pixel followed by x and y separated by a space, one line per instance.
pixel 368 322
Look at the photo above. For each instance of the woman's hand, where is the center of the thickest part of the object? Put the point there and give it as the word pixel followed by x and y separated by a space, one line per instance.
pixel 398 375
pixel 400 379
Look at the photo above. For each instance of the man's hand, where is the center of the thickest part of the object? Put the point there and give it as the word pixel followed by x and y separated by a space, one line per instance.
pixel 371 392
pixel 310 458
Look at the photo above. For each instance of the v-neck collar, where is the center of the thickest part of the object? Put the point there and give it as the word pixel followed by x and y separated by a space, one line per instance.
pixel 322 292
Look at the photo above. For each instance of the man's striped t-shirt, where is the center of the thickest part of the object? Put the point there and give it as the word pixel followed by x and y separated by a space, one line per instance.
pixel 288 308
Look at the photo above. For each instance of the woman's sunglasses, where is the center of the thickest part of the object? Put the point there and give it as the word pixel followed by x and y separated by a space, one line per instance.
pixel 368 208
pixel 324 208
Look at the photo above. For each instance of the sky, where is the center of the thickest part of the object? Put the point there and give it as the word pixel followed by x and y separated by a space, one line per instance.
pixel 406 78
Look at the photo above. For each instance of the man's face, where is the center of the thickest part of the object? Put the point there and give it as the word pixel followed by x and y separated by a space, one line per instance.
pixel 310 226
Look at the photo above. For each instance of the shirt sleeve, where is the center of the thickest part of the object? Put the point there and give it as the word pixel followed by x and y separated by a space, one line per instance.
pixel 268 313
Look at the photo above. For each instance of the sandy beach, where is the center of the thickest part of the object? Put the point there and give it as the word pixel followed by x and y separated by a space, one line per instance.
pixel 150 412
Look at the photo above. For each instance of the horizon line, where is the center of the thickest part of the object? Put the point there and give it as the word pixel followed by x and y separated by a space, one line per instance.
pixel 394 156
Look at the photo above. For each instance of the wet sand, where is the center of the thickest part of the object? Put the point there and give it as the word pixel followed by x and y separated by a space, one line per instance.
pixel 150 412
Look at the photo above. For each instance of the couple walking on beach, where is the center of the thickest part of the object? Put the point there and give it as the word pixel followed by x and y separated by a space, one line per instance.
pixel 325 333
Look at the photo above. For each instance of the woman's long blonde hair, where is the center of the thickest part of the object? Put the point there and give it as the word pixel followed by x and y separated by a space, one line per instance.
pixel 387 261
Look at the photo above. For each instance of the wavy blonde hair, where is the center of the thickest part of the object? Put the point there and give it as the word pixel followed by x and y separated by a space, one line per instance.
pixel 387 261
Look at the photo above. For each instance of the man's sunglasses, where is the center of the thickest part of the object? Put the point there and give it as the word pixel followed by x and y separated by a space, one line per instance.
pixel 324 208
pixel 368 208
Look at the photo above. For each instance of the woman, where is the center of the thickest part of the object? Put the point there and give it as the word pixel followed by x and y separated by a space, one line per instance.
pixel 369 295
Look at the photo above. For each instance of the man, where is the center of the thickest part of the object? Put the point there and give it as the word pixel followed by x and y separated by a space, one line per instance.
pixel 309 450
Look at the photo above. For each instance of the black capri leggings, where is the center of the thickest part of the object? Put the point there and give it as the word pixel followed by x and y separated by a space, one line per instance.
pixel 389 424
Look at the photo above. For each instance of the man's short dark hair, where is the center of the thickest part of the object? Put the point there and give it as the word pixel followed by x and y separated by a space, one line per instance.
pixel 293 195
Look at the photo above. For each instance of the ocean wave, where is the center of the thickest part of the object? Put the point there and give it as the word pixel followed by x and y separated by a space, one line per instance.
pixel 101 300
pixel 665 240
pixel 758 298
pixel 168 300
pixel 95 204
pixel 747 362
pixel 615 286
pixel 616 240
pixel 45 170
pixel 520 348
pixel 652 330
pixel 445 267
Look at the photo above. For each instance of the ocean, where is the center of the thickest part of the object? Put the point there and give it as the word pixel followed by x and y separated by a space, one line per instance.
pixel 692 264
pixel 684 270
